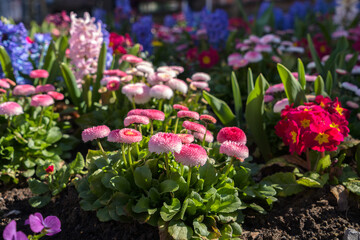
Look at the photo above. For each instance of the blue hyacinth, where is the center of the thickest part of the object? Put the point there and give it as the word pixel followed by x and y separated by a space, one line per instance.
pixel 216 25
pixel 194 19
pixel 123 8
pixel 169 21
pixel 141 30
pixel 39 47
pixel 13 39
pixel 299 9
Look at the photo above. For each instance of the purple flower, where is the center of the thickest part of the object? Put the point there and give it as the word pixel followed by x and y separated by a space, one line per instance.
pixel 51 224
pixel 10 232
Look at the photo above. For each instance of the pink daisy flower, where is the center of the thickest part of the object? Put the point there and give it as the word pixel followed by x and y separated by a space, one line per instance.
pixel 132 89
pixel 137 119
pixel 153 114
pixel 180 107
pixel 165 76
pixel 10 109
pixel 24 90
pixel 308 78
pixel 177 85
pixel 106 80
pixel 145 69
pixel 44 88
pixel 280 105
pixel 234 134
pixel 93 133
pixel 188 114
pixel 125 135
pixel 191 155
pixel 42 100
pixel 186 138
pixel 56 95
pixel 178 69
pixel 200 136
pixel 114 72
pixel 234 149
pixel 126 79
pixel 200 85
pixel 39 73
pixel 253 57
pixel 135 112
pixel 2 91
pixel 275 88
pixel 352 104
pixel 4 84
pixel 131 58
pixel 145 96
pixel 113 85
pixel 208 119
pixel 11 82
pixel 161 92
pixel 165 143
pixel 192 126
pixel 263 48
pixel 201 76
pixel 268 98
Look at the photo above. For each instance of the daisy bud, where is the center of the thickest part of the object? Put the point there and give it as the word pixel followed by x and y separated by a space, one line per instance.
pixel 56 95
pixel 180 107
pixel 207 118
pixel 39 73
pixel 201 76
pixel 188 114
pixel 4 84
pixel 93 133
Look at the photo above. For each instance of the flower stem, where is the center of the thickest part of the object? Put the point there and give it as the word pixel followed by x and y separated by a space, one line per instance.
pixel 160 104
pixel 133 103
pixel 123 154
pixel 137 149
pixel 151 127
pixel 189 178
pixel 229 167
pixel 167 164
pixel 9 121
pixel 101 148
pixel 41 116
pixel 308 161
pixel 203 141
pixel 51 117
pixel 130 160
pixel 176 125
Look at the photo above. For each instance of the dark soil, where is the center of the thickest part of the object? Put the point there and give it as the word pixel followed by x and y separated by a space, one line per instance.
pixel 312 214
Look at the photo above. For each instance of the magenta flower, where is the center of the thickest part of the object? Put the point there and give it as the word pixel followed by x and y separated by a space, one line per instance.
pixel 92 133
pixel 131 58
pixel 115 72
pixel 113 85
pixel 51 224
pixel 186 138
pixel 268 98
pixel 234 134
pixel 253 56
pixel 10 232
pixel 10 109
pixel 153 114
pixel 56 95
pixel 107 79
pixel 191 155
pixel 234 149
pixel 137 119
pixel 188 114
pixel 208 119
pixel 192 126
pixel 39 73
pixel 125 135
pixel 180 107
pixel 24 90
pixel 135 112
pixel 165 143
pixel 42 100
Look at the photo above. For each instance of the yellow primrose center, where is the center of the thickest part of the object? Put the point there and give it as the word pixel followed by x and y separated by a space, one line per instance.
pixel 157 44
pixel 339 109
pixel 305 123
pixel 206 60
pixel 293 136
pixel 323 49
pixel 334 125
pixel 322 138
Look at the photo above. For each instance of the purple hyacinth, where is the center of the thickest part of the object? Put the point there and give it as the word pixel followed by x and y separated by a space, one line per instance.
pixel 10 232
pixel 51 224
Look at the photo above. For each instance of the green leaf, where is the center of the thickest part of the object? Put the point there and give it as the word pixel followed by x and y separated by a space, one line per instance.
pixel 237 96
pixel 266 19
pixel 357 159
pixel 220 108
pixel 200 228
pixel 254 116
pixel 286 181
pixel 103 214
pixel 38 187
pixel 78 164
pixel 250 81
pixel 225 204
pixel 168 186
pixel 143 177
pixel 315 56
pixel 71 85
pixel 353 186
pixel 49 59
pixel 301 74
pixel 121 184
pixel 319 86
pixel 142 205
pixel 99 74
pixel 135 49
pixel 257 208
pixel 6 64
pixel 39 201
pixel 293 89
pixel 179 230
pixel 208 173
pixel 167 212
pixel 312 179
pixel 53 135
pixel 329 83
pixel 323 164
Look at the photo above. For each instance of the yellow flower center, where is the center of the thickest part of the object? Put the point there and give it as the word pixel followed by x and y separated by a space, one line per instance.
pixel 322 138
pixel 293 136
pixel 130 133
pixel 206 60
pixel 323 49
pixel 339 109
pixel 157 44
pixel 334 125
pixel 305 123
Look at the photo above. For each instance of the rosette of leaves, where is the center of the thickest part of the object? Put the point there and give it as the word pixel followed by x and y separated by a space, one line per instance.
pixel 208 209
pixel 27 148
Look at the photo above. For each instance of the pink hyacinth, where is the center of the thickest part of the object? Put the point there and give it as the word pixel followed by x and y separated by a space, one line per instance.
pixel 132 89
pixel 234 149
pixel 4 84
pixel 192 126
pixel 10 109
pixel 161 92
pixel 275 88
pixel 93 133
pixel 186 138
pixel 180 107
pixel 125 135
pixel 191 155
pixel 153 114
pixel 200 136
pixel 56 95
pixel 42 100
pixel 24 90
pixel 253 57
pixel 131 58
pixel 44 88
pixel 280 105
pixel 208 119
pixel 234 134
pixel 137 119
pixel 201 76
pixel 188 114
pixel 115 72
pixel 165 143
pixel 177 85
pixel 113 85
pixel 39 73
pixel 268 98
